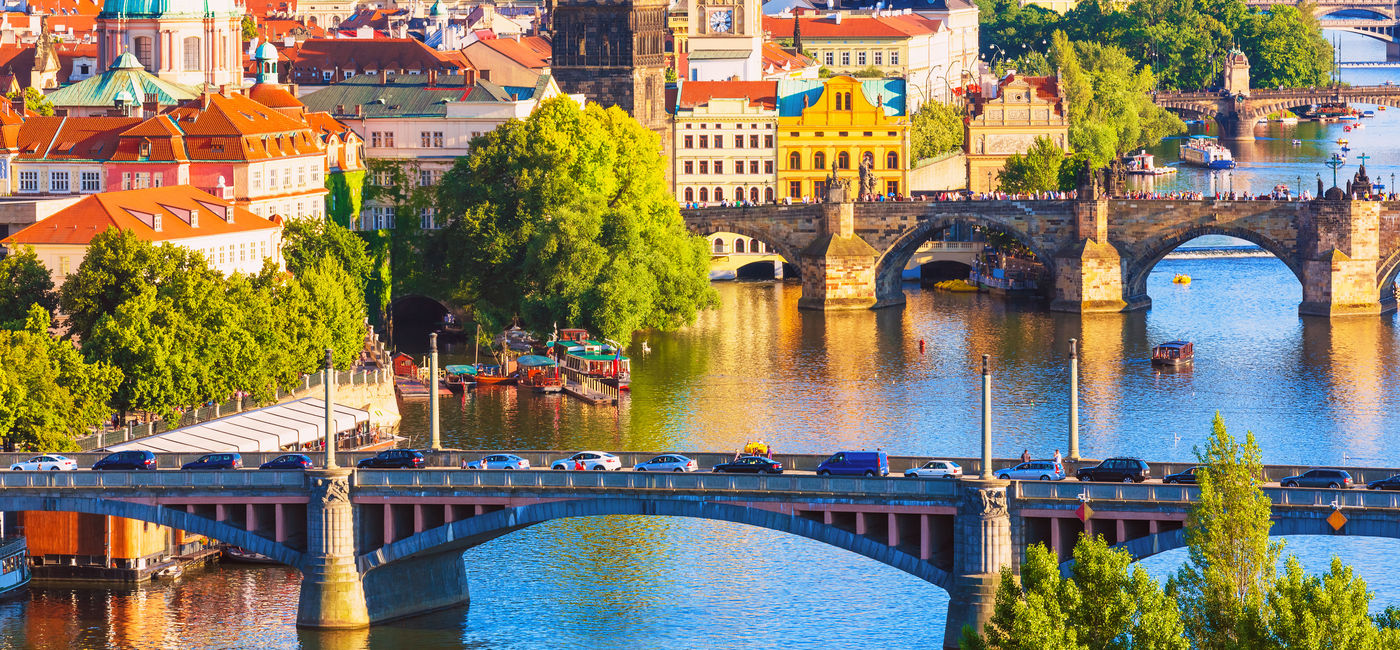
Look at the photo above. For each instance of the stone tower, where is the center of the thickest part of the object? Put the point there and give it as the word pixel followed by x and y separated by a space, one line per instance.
pixel 725 40
pixel 1236 73
pixel 614 53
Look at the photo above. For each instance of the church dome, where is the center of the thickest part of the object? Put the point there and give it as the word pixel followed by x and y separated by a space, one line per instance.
pixel 160 8
pixel 265 52
pixel 127 61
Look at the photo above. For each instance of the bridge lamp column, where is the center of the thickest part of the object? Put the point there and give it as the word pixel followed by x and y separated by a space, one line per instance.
pixel 987 418
pixel 329 381
pixel 1074 399
pixel 433 392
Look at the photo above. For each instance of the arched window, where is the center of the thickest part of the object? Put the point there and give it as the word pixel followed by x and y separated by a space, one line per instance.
pixel 145 51
pixel 738 194
pixel 739 246
pixel 719 194
pixel 719 245
pixel 892 160
pixel 753 194
pixel 819 160
pixel 704 194
pixel 768 194
pixel 192 52
pixel 689 194
pixel 843 160
pixel 794 160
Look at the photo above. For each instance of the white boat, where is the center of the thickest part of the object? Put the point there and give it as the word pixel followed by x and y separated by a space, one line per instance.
pixel 1143 164
pixel 1205 151
pixel 1297 142
pixel 1291 119
pixel 1370 113
pixel 14 565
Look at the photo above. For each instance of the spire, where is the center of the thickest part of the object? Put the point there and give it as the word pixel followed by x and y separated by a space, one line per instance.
pixel 797 32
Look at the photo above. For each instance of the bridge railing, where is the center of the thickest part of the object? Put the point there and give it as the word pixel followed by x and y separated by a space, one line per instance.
pixel 1159 493
pixel 195 479
pixel 668 481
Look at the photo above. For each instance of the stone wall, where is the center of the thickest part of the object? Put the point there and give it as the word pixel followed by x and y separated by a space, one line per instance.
pixel 937 174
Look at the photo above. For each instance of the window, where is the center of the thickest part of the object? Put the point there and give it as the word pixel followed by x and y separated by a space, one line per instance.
pixel 689 166
pixel 301 176
pixel 375 138
pixel 704 167
pixel 704 194
pixel 145 51
pixel 327 75
pixel 892 187
pixel 795 189
pixel 689 141
pixel 272 178
pixel 425 178
pixel 767 196
pixel 767 166
pixel 753 196
pixel 739 243
pixel 794 160
pixel 257 180
pixel 719 194
pixel 29 181
pixel 753 141
pixel 768 141
pixel 892 160
pixel 58 182
pixel 819 160
pixel 126 180
pixel 879 58
pixel 738 142
pixel 894 57
pixel 831 58
pixel 719 140
pixel 384 178
pixel 704 142
pixel 388 138
pixel 428 219
pixel 860 58
pixel 689 194
pixel 753 166
pixel 719 245
pixel 719 166
pixel 91 182
pixel 845 58
pixel 192 53
pixel 425 139
pixel 843 160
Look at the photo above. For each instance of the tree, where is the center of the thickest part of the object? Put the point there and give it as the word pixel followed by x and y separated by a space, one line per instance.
pixel 565 218
pixel 1231 561
pixel 935 129
pixel 305 242
pixel 24 281
pixel 47 392
pixel 340 314
pixel 34 100
pixel 1038 170
pixel 1108 97
pixel 250 28
pixel 1286 48
pixel 1330 611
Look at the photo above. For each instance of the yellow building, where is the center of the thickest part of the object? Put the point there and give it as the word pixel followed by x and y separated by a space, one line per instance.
pixel 1008 120
pixel 841 121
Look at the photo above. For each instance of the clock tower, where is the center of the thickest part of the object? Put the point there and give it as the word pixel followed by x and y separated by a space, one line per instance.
pixel 725 40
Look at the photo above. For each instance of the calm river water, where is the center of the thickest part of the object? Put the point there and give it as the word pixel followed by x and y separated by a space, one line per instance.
pixel 1312 391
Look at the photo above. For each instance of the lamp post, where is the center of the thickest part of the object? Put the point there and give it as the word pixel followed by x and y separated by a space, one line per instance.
pixel 1300 187
pixel 433 392
pixel 329 381
pixel 986 418
pixel 989 182
pixel 1074 399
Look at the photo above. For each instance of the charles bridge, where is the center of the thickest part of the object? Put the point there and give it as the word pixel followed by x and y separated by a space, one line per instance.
pixel 1237 112
pixel 1097 252
pixel 375 545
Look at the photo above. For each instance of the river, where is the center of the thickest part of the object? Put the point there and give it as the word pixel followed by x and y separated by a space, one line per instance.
pixel 756 368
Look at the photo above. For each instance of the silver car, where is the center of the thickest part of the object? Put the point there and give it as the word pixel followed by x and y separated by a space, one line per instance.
pixel 1036 470
pixel 935 469
pixel 500 461
pixel 667 463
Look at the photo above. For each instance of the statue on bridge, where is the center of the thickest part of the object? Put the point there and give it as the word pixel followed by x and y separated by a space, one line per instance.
pixel 867 175
pixel 838 190
pixel 1087 181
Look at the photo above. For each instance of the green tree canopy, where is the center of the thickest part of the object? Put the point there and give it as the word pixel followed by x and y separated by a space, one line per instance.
pixel 565 218
pixel 306 242
pixel 48 393
pixel 1036 171
pixel 936 128
pixel 34 100
pixel 24 281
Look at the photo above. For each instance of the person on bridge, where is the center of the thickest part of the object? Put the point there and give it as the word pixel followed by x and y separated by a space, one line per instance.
pixel 578 464
pixel 1058 460
pixel 1026 456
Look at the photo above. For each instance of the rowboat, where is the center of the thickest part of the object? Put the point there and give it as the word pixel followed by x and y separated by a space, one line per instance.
pixel 459 377
pixel 492 376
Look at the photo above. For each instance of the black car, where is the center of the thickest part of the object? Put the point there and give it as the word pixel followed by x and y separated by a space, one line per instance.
pixel 215 461
pixel 1188 476
pixel 751 465
pixel 288 461
pixel 1118 470
pixel 127 460
pixel 1388 483
pixel 394 459
pixel 1319 478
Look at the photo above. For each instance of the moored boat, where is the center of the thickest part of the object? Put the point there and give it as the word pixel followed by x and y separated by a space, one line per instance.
pixel 539 373
pixel 489 375
pixel 1205 151
pixel 459 377
pixel 1143 164
pixel 240 555
pixel 1173 354
pixel 14 565
pixel 585 356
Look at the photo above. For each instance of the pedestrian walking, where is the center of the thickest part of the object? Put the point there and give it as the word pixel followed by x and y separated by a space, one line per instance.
pixel 464 462
pixel 1057 457
pixel 578 464
pixel 1026 456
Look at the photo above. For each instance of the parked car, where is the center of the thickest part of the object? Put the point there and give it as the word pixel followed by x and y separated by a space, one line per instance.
pixel 500 461
pixel 592 460
pixel 1319 478
pixel 668 463
pixel 1118 470
pixel 394 459
pixel 750 465
pixel 855 463
pixel 127 460
pixel 936 469
pixel 1036 470
pixel 1387 483
pixel 47 462
pixel 288 461
pixel 215 461
pixel 1188 476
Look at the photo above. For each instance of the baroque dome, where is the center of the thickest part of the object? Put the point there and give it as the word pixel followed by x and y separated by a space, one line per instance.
pixel 160 8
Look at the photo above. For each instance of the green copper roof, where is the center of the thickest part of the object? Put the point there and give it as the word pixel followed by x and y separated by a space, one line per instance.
pixel 127 61
pixel 103 89
pixel 158 8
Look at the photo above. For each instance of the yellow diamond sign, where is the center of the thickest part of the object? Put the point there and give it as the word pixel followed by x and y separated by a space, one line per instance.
pixel 1337 519
pixel 1084 512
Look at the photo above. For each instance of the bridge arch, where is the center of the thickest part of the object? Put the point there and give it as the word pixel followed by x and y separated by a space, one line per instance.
pixel 466 533
pixel 775 241
pixel 1150 252
pixel 160 515
pixel 889 268
pixel 1312 522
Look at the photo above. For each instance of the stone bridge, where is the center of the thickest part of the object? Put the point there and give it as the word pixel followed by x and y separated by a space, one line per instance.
pixel 1382 29
pixel 1237 113
pixel 375 545
pixel 1097 253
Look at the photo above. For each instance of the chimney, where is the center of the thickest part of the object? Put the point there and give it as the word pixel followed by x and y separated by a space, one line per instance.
pixel 432 77
pixel 223 90
pixel 340 109
pixel 383 77
pixel 359 110
pixel 151 106
pixel 18 103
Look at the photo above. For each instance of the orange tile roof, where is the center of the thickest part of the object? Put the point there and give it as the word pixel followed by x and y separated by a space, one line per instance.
pixel 66 7
pixel 71 138
pixel 854 26
pixel 274 96
pixel 308 58
pixel 776 58
pixel 518 52
pixel 699 93
pixel 160 134
pixel 275 29
pixel 134 210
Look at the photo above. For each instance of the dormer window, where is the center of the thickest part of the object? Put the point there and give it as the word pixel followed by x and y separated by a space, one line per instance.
pixel 145 149
pixel 155 223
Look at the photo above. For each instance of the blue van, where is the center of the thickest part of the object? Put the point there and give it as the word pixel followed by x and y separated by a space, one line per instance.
pixel 855 463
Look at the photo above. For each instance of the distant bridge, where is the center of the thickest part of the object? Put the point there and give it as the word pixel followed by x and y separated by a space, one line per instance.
pixel 1236 114
pixel 1382 28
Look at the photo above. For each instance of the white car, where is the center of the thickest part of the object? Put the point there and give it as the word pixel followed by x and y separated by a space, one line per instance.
pixel 667 463
pixel 599 460
pixel 1036 470
pixel 936 469
pixel 500 461
pixel 47 462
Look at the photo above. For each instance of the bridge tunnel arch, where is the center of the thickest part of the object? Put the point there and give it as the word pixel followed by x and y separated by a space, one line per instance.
pixel 743 253
pixel 1141 259
pixel 889 269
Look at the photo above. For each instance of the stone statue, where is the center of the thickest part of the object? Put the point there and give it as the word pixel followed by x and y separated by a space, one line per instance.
pixel 867 175
pixel 838 190
pixel 987 503
pixel 1320 190
pixel 1361 184
pixel 1087 181
pixel 335 490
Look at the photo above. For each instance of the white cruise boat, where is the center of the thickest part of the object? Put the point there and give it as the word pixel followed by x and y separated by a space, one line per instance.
pixel 1205 151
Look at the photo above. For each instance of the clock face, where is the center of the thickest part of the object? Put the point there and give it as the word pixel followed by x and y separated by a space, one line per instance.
pixel 721 21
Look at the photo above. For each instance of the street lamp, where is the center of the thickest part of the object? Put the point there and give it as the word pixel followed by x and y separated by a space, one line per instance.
pixel 1300 187
pixel 989 182
pixel 1232 185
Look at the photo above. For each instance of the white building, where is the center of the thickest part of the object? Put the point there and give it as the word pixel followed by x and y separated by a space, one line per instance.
pixel 726 142
pixel 191 42
pixel 725 40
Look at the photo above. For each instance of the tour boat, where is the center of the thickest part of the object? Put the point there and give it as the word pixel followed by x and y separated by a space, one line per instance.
pixel 1205 151
pixel 597 359
pixel 1347 128
pixel 1297 142
pixel 1173 353
pixel 459 377
pixel 1370 113
pixel 14 565
pixel 1142 164
pixel 539 373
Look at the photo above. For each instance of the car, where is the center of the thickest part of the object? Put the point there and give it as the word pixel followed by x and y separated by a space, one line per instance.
pixel 288 461
pixel 215 461
pixel 128 460
pixel 935 469
pixel 1036 470
pixel 394 459
pixel 1387 483
pixel 1118 470
pixel 855 463
pixel 46 462
pixel 1186 476
pixel 668 463
pixel 750 465
pixel 500 461
pixel 592 460
pixel 1319 478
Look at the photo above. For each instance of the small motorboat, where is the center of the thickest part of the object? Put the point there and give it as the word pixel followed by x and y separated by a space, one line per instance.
pixel 1297 142
pixel 1370 113
pixel 459 377
pixel 171 572
pixel 1380 108
pixel 1181 278
pixel 1343 141
pixel 492 376
pixel 1173 354
pixel 244 556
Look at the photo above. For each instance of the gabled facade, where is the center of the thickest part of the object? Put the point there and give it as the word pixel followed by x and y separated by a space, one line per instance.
pixel 1008 122
pixel 839 123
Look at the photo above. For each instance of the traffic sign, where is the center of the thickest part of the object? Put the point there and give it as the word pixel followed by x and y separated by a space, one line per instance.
pixel 1084 512
pixel 1337 519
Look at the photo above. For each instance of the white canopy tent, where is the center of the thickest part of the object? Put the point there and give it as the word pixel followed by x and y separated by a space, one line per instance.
pixel 288 425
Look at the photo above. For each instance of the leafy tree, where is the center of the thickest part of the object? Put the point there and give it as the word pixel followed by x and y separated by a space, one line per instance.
pixel 565 218
pixel 1036 171
pixel 936 128
pixel 47 392
pixel 1033 614
pixel 1110 108
pixel 305 242
pixel 339 313
pixel 24 281
pixel 34 100
pixel 1286 48
pixel 1231 561
pixel 250 28
pixel 671 74
pixel 1329 611
pixel 868 72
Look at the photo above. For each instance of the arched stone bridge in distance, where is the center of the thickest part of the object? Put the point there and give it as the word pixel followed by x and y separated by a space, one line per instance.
pixel 374 545
pixel 1346 254
pixel 1236 114
pixel 1383 28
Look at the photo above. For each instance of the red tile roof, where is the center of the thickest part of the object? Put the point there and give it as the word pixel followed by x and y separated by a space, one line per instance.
pixel 699 93
pixel 903 26
pixel 274 96
pixel 71 138
pixel 276 29
pixel 308 58
pixel 66 7
pixel 518 52
pixel 776 58
pixel 134 210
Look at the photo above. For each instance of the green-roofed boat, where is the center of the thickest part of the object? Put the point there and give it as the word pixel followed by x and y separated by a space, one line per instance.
pixel 585 356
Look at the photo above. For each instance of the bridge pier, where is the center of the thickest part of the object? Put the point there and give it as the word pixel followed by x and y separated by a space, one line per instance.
pixel 838 269
pixel 1233 127
pixel 416 585
pixel 1089 273
pixel 332 594
pixel 1339 274
pixel 981 547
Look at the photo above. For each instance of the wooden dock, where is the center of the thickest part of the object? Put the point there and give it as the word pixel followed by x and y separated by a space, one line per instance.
pixel 588 389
